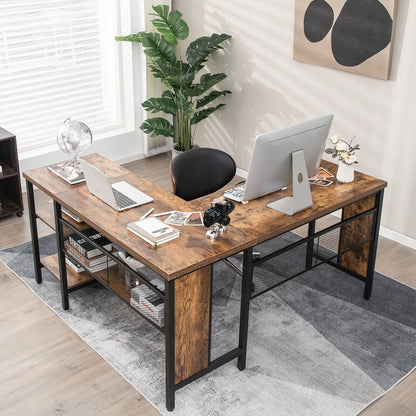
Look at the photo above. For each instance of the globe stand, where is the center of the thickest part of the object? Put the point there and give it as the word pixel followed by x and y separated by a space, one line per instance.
pixel 74 137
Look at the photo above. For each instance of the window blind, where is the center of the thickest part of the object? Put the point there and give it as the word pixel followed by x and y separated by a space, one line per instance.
pixel 58 59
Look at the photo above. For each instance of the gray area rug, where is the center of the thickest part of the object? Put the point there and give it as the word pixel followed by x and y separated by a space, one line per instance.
pixel 315 346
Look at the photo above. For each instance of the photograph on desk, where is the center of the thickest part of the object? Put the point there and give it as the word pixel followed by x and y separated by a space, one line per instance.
pixel 321 178
pixel 194 218
pixel 177 218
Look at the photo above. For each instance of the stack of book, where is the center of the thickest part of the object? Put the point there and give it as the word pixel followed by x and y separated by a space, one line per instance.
pixel 153 230
pixel 147 302
pixel 86 254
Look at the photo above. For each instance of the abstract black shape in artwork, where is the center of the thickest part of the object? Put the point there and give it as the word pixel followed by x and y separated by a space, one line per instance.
pixel 318 20
pixel 363 29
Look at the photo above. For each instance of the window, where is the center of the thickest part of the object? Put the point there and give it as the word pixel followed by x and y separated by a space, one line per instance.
pixel 59 59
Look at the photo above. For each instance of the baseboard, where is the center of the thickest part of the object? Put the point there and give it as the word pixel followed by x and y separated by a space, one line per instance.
pixel 398 238
pixel 242 173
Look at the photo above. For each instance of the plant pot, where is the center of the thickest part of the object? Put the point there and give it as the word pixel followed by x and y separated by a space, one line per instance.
pixel 176 152
pixel 345 173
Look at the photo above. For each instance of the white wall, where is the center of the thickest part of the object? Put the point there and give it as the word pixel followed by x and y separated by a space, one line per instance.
pixel 271 90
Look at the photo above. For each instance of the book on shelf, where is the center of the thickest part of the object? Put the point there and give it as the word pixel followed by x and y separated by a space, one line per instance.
pixel 158 282
pixel 153 230
pixel 146 301
pixel 71 214
pixel 67 172
pixel 102 266
pixel 75 266
pixel 144 311
pixel 85 247
pixel 78 267
pixel 88 262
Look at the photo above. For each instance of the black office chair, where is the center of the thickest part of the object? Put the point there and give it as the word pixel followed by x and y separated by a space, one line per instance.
pixel 200 171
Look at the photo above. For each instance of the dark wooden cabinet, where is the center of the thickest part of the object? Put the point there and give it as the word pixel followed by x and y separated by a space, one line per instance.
pixel 11 201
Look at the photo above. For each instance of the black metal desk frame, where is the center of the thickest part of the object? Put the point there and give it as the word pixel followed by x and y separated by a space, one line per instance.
pixel 249 265
pixel 250 262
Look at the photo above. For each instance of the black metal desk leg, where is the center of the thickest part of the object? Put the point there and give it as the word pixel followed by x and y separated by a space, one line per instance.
pixel 34 231
pixel 245 306
pixel 373 246
pixel 170 343
pixel 61 255
pixel 309 244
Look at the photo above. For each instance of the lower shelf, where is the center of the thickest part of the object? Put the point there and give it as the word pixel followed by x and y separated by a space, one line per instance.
pixel 74 279
pixel 9 208
pixel 112 277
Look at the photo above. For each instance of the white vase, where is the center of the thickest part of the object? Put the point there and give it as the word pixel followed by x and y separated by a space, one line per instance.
pixel 345 172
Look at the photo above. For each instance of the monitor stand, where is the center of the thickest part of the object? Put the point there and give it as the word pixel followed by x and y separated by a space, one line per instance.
pixel 302 197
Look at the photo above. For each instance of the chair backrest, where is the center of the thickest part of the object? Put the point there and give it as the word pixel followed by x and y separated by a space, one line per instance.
pixel 200 171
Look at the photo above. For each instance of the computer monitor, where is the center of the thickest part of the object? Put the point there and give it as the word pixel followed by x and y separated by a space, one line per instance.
pixel 285 156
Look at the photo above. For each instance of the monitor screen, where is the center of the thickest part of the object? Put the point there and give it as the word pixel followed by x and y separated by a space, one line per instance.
pixel 271 162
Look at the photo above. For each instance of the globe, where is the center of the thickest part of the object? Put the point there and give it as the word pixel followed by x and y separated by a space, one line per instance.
pixel 73 138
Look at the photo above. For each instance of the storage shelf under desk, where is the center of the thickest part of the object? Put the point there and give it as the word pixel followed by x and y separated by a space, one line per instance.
pixel 45 214
pixel 115 275
pixel 75 280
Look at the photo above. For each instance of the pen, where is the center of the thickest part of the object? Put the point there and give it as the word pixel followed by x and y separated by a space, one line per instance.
pixel 147 213
pixel 162 213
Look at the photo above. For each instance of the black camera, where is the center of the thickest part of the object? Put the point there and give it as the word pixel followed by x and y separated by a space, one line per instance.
pixel 218 213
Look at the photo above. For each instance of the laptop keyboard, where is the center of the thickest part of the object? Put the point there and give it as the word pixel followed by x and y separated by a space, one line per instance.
pixel 122 200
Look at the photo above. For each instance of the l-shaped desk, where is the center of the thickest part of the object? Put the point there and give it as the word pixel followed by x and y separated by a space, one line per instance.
pixel 185 263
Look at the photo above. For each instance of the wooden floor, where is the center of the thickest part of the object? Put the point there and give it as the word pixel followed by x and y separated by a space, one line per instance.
pixel 46 369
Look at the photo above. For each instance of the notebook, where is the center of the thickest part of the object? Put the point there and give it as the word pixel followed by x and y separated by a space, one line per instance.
pixel 119 195
pixel 153 230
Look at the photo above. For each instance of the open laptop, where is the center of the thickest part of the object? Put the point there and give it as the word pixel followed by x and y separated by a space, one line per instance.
pixel 119 195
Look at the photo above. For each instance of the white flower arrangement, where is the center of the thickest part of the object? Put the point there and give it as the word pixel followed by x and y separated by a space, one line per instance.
pixel 343 150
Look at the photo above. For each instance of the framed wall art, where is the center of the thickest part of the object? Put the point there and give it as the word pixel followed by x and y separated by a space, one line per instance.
pixel 350 35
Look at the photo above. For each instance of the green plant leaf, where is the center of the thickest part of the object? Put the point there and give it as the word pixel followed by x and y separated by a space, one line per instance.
pixel 166 105
pixel 211 97
pixel 203 114
pixel 164 70
pixel 207 81
pixel 199 50
pixel 186 107
pixel 167 94
pixel 138 37
pixel 158 126
pixel 157 49
pixel 181 75
pixel 170 24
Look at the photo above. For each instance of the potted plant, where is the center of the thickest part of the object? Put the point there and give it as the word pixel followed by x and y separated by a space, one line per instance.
pixel 345 152
pixel 186 97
